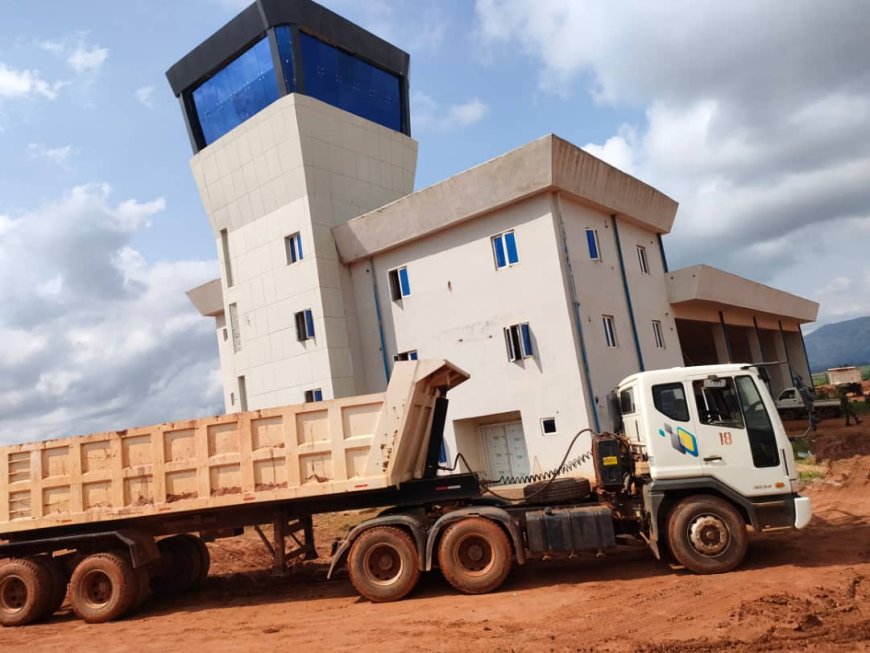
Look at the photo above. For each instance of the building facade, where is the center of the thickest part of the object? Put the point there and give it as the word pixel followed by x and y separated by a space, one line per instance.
pixel 541 272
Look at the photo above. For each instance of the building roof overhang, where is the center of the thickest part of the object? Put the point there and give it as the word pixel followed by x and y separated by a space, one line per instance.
pixel 704 286
pixel 544 165
pixel 208 298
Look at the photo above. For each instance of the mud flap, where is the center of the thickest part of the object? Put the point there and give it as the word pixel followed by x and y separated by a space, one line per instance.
pixel 651 503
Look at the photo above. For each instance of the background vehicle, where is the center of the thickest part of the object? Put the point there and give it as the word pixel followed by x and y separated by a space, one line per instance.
pixel 790 406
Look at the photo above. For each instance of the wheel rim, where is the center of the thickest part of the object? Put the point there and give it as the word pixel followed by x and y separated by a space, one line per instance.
pixel 474 554
pixel 98 589
pixel 13 594
pixel 383 564
pixel 709 535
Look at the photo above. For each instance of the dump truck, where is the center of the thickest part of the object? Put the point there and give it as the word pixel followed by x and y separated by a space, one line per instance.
pixel 695 455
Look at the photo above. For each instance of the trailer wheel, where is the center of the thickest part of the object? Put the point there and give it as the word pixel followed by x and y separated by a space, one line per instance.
pixel 143 587
pixel 181 565
pixel 203 555
pixel 59 577
pixel 475 555
pixel 103 588
pixel 707 535
pixel 383 564
pixel 25 588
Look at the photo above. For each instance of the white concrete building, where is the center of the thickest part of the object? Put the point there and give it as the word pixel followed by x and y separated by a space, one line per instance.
pixel 541 272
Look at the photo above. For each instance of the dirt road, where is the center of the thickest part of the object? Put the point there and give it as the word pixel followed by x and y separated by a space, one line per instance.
pixel 806 590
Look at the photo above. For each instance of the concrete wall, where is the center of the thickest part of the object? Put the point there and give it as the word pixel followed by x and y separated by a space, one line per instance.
pixel 300 165
pixel 458 307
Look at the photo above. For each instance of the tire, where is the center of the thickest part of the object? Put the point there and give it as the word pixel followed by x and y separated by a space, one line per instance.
pixel 143 587
pixel 707 535
pixel 787 414
pixel 59 576
pixel 383 564
pixel 180 567
pixel 103 588
pixel 25 591
pixel 204 557
pixel 475 555
pixel 560 490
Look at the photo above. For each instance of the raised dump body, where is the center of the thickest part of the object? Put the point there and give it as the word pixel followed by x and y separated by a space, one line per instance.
pixel 325 448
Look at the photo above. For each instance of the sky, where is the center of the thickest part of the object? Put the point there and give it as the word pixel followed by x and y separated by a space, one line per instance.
pixel 755 117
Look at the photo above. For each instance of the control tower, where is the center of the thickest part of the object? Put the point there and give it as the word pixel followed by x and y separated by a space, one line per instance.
pixel 299 121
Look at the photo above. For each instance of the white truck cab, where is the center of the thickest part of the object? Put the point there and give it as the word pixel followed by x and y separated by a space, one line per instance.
pixel 712 429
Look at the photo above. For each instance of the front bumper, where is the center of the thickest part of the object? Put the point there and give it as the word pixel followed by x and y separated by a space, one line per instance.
pixel 803 511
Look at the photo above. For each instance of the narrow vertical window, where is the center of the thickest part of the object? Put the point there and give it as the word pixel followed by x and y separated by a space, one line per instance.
pixel 225 250
pixel 313 395
pixel 400 284
pixel 592 244
pixel 658 334
pixel 234 328
pixel 609 331
pixel 641 259
pixel 293 246
pixel 304 324
pixel 504 249
pixel 243 394
pixel 518 340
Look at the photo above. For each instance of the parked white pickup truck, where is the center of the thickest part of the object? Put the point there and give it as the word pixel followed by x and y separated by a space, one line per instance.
pixel 791 406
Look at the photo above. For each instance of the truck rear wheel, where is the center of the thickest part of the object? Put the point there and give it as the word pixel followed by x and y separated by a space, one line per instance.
pixel 103 588
pixel 475 555
pixel 383 564
pixel 181 565
pixel 707 535
pixel 59 577
pixel 25 588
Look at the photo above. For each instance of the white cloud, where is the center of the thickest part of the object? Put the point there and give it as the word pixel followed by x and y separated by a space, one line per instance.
pixel 145 95
pixel 81 56
pixel 761 133
pixel 106 338
pixel 428 114
pixel 86 58
pixel 20 84
pixel 59 156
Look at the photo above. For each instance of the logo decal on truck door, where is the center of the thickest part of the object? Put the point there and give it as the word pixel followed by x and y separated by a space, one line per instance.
pixel 681 440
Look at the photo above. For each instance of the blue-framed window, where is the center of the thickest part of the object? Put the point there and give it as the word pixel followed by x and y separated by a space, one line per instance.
pixel 313 395
pixel 609 331
pixel 348 83
pixel 592 244
pixel 504 249
pixel 236 92
pixel 293 248
pixel 518 338
pixel 410 355
pixel 400 285
pixel 304 325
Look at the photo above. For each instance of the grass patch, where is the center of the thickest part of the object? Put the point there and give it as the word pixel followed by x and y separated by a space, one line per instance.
pixel 807 475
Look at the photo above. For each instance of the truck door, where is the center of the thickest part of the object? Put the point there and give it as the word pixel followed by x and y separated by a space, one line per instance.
pixel 736 440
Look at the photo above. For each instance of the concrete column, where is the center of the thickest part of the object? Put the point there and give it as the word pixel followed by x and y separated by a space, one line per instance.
pixel 779 374
pixel 754 346
pixel 719 341
pixel 797 356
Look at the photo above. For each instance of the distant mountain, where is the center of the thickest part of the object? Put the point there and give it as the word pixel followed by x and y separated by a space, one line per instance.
pixel 842 343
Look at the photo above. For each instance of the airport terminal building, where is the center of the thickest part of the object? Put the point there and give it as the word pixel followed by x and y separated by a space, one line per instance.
pixel 541 272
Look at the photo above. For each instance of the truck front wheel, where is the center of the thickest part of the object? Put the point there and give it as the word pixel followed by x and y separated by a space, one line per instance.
pixel 383 564
pixel 707 535
pixel 475 555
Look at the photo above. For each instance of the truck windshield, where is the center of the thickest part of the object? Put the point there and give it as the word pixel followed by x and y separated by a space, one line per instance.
pixel 762 440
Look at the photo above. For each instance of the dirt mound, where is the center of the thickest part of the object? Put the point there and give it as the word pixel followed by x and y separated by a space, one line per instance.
pixel 840 444
pixel 826 618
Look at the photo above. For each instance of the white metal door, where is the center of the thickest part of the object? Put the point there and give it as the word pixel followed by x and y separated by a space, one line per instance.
pixel 504 448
